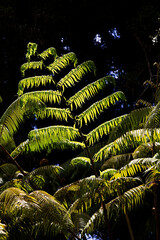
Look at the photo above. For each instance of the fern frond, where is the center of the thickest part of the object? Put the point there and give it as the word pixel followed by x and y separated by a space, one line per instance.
pixel 6 139
pixel 117 207
pixel 48 52
pixel 153 119
pixel 52 170
pixel 104 129
pixel 4 235
pixel 7 170
pixel 31 50
pixel 117 161
pixel 53 137
pixel 80 160
pixel 145 150
pixel 135 167
pixel 45 96
pixel 38 145
pixel 94 222
pixel 62 114
pixel 80 188
pixel 16 203
pixel 127 202
pixel 88 92
pixel 134 120
pixel 55 218
pixel 149 82
pixel 31 65
pixel 76 75
pixel 144 103
pixel 62 62
pixel 126 143
pixel 14 114
pixel 55 133
pixel 98 107
pixel 33 82
pixel 148 162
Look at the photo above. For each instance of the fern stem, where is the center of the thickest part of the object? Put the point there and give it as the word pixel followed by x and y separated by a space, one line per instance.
pixel 106 219
pixel 129 225
pixel 13 160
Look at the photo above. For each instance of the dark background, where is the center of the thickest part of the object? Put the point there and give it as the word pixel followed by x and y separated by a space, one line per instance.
pixel 72 25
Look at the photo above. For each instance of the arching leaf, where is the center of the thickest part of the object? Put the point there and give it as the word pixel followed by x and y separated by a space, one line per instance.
pixel 31 65
pixel 45 96
pixel 145 150
pixel 55 218
pixel 62 114
pixel 76 75
pixel 14 114
pixel 124 144
pixel 117 161
pixel 55 133
pixel 62 62
pixel 117 207
pixel 48 52
pixel 33 82
pixel 153 120
pixel 88 92
pixel 4 235
pixel 98 107
pixel 134 120
pixel 104 129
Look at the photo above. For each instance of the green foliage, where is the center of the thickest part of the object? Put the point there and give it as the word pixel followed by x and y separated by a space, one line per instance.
pixel 98 182
pixel 47 53
pixel 89 91
pixel 31 50
pixel 3 232
pixel 76 75
pixel 62 62
pixel 31 65
pixel 33 82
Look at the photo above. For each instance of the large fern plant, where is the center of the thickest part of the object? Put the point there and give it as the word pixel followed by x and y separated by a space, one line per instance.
pixel 73 99
pixel 100 184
